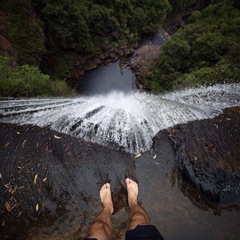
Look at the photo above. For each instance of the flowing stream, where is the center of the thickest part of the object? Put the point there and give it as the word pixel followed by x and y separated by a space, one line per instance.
pixel 126 121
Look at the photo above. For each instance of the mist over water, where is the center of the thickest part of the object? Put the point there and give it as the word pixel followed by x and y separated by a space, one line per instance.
pixel 119 120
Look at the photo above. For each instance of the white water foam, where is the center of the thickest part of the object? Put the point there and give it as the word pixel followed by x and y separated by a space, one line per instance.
pixel 119 121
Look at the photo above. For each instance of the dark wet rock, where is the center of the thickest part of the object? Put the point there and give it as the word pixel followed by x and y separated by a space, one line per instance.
pixel 84 57
pixel 112 55
pixel 121 52
pixel 78 74
pixel 102 56
pixel 97 61
pixel 50 180
pixel 89 66
pixel 35 180
pixel 207 167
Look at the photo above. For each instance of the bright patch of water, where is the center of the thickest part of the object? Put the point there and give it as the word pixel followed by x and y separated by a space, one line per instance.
pixel 118 120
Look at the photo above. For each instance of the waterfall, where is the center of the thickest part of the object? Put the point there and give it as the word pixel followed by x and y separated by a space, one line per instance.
pixel 119 120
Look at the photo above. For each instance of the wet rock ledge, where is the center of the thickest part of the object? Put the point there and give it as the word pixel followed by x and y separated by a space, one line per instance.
pixel 207 161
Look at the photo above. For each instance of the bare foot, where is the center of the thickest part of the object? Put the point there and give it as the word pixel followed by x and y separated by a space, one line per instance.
pixel 132 188
pixel 105 196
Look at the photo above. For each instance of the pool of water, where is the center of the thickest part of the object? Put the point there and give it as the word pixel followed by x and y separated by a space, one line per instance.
pixel 105 79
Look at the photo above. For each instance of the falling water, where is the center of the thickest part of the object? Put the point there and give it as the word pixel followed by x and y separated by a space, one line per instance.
pixel 121 121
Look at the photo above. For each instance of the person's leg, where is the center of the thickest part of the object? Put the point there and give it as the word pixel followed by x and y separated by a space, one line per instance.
pixel 139 224
pixel 138 216
pixel 101 228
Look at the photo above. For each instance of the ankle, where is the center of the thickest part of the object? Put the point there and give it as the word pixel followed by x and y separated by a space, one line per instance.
pixel 132 202
pixel 109 208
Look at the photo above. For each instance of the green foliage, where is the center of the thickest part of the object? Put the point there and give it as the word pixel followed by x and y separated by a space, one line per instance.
pixel 27 81
pixel 60 88
pixel 194 16
pixel 86 24
pixel 38 28
pixel 224 73
pixel 209 47
pixel 66 23
pixel 25 32
pixel 205 51
pixel 177 56
pixel 180 5
pixel 181 8
pixel 150 14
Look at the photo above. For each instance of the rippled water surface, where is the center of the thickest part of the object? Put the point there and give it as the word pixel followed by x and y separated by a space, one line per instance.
pixel 118 120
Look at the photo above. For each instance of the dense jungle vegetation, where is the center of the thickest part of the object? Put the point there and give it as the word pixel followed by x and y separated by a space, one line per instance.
pixel 83 25
pixel 205 50
pixel 39 27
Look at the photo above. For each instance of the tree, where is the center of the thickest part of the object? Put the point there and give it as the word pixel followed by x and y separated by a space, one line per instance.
pixel 25 32
pixel 175 56
pixel 206 49
pixel 27 81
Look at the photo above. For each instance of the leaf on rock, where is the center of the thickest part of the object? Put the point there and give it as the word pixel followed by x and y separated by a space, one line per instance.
pixel 13 189
pixel 23 144
pixel 57 137
pixel 8 207
pixel 35 179
pixel 138 155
